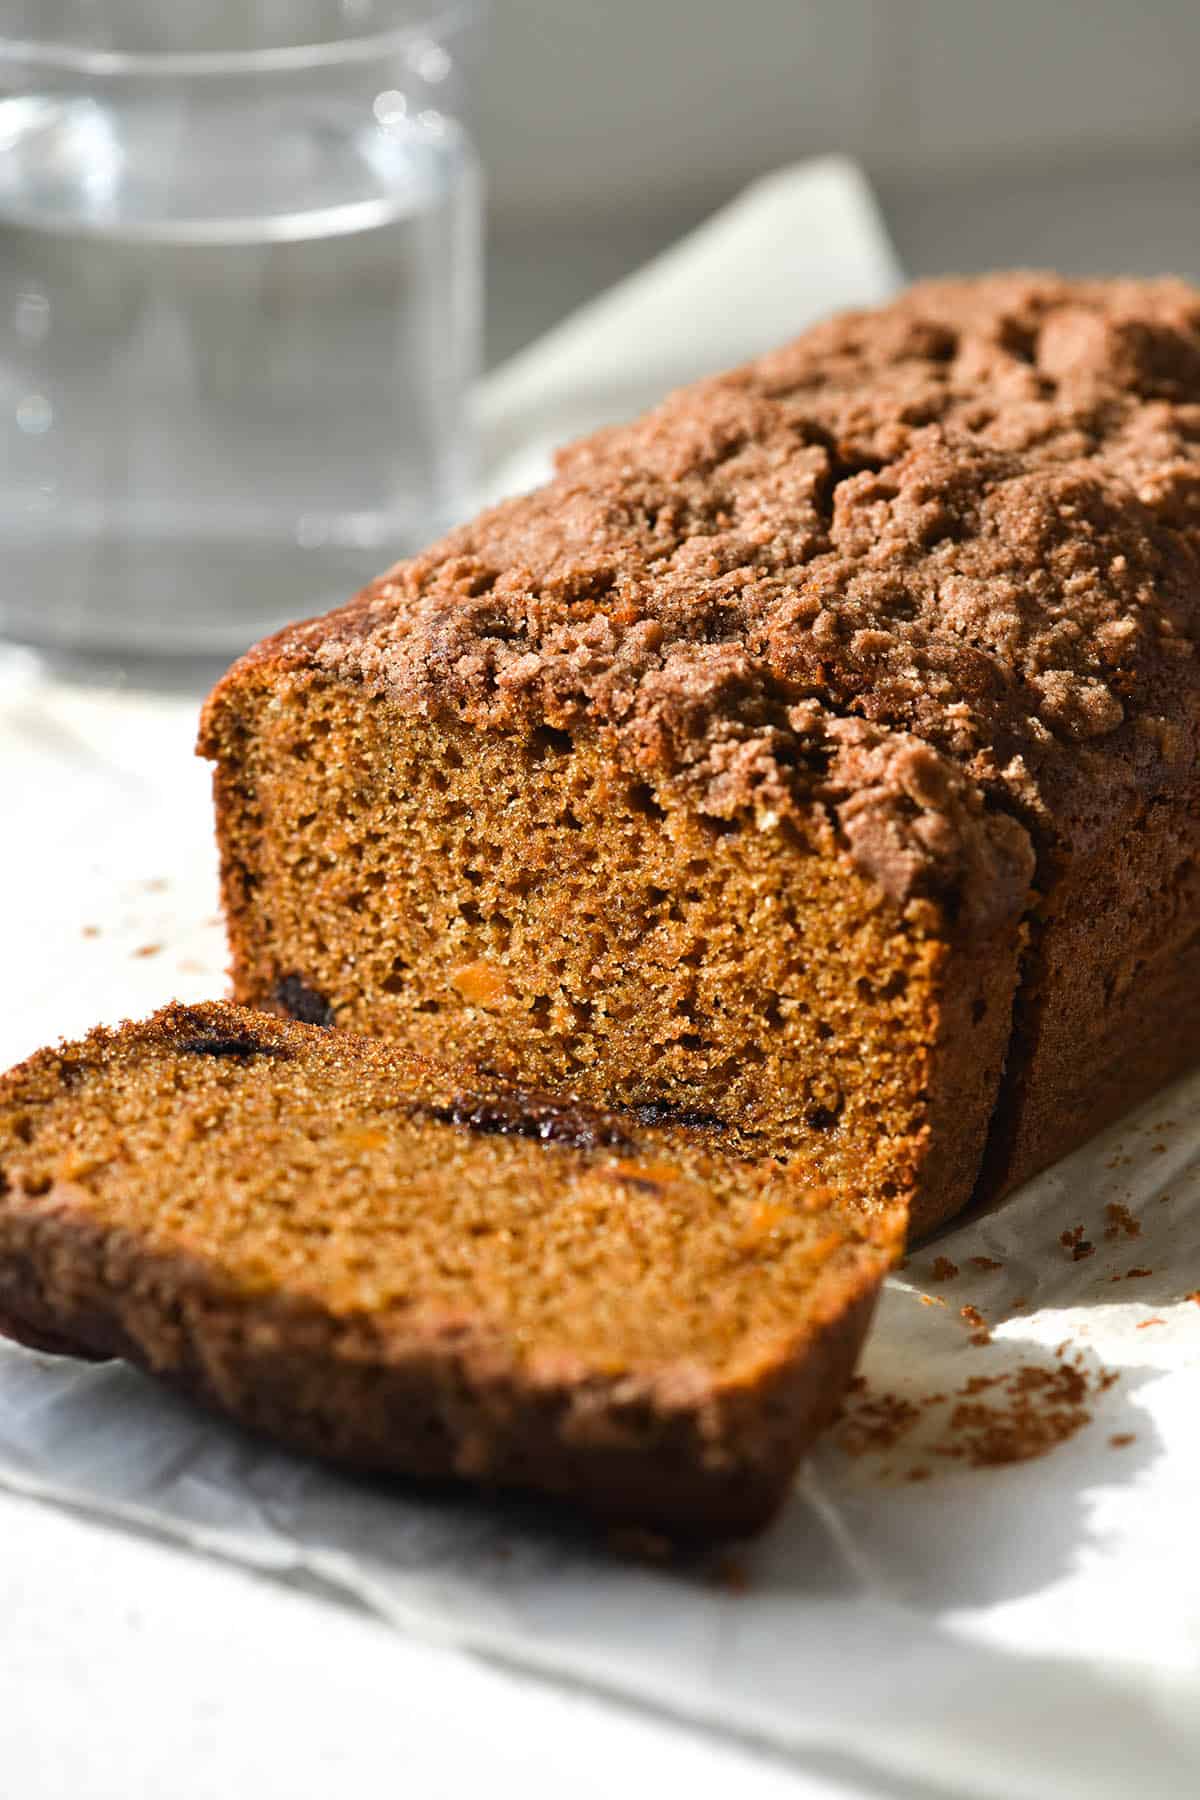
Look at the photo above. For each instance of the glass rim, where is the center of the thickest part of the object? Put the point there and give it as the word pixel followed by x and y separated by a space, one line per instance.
pixel 445 18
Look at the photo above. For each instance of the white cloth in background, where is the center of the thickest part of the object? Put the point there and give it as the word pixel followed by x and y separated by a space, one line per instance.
pixel 1025 1631
pixel 794 247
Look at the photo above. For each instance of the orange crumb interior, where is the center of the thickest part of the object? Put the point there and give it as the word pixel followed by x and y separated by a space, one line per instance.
pixel 524 905
pixel 324 1172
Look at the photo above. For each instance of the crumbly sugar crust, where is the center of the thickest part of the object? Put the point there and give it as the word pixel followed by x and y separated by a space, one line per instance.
pixel 932 568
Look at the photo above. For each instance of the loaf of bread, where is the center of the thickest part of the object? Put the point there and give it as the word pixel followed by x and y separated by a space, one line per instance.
pixel 817 754
pixel 382 1263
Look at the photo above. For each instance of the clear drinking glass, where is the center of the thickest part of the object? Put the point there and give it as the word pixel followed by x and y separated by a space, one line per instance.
pixel 239 309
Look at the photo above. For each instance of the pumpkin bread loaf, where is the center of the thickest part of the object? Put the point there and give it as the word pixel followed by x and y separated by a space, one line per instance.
pixel 818 753
pixel 404 1271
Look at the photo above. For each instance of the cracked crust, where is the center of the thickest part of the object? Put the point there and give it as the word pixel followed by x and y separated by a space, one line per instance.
pixel 971 518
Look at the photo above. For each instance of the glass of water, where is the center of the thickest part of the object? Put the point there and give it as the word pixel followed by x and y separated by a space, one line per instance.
pixel 239 310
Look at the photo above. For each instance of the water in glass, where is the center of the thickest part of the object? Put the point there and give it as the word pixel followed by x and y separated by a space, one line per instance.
pixel 237 330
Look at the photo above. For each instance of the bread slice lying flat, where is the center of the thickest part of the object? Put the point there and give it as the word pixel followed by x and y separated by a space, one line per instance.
pixel 404 1270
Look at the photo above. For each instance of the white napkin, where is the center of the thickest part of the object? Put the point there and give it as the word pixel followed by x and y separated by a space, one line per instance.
pixel 1030 1630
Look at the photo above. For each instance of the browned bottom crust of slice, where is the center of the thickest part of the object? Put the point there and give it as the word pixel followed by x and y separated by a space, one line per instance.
pixel 367 1259
pixel 615 1453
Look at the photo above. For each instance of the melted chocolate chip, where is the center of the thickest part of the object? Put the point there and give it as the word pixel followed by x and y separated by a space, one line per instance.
pixel 301 1002
pixel 240 1045
pixel 566 1123
pixel 661 1112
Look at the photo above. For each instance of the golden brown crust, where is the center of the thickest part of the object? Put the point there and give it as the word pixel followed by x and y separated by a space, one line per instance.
pixel 699 1444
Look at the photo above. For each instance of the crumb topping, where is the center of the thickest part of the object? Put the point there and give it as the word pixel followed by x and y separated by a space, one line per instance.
pixel 932 568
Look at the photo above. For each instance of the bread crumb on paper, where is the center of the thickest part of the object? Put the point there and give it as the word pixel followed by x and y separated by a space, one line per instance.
pixel 1120 1221
pixel 1074 1241
pixel 988 1421
pixel 876 1422
pixel 980 1329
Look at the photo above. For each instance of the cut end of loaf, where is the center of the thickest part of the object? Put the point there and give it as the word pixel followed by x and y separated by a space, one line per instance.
pixel 527 903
